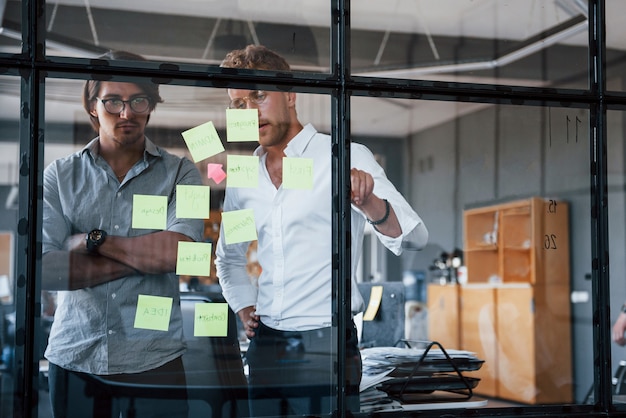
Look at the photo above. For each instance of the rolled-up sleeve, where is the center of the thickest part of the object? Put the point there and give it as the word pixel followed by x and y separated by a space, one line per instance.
pixel 55 228
pixel 230 262
pixel 414 233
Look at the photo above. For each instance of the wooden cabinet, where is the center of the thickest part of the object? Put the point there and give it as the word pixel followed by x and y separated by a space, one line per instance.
pixel 478 333
pixel 443 315
pixel 514 308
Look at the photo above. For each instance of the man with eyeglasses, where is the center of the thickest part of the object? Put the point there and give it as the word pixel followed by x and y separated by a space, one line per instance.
pixel 288 317
pixel 101 265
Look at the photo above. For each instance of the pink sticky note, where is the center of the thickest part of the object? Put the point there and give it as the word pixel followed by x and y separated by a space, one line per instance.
pixel 215 172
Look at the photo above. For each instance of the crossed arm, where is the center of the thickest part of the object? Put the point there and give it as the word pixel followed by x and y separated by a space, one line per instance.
pixel 74 268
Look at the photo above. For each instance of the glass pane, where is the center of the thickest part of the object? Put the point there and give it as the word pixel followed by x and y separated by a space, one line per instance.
pixel 617 241
pixel 491 42
pixel 503 191
pixel 193 123
pixel 10 27
pixel 615 44
pixel 9 146
pixel 197 32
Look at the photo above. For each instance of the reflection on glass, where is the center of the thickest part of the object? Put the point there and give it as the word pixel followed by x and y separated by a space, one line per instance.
pixel 617 243
pixel 11 27
pixel 505 192
pixel 187 120
pixel 196 32
pixel 522 43
pixel 615 44
pixel 9 196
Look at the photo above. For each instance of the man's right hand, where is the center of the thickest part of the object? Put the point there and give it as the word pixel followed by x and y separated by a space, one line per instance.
pixel 250 320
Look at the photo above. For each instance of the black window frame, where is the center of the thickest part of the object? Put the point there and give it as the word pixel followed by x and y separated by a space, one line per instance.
pixel 33 67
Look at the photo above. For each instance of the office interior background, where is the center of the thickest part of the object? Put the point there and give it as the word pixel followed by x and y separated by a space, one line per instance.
pixel 468 104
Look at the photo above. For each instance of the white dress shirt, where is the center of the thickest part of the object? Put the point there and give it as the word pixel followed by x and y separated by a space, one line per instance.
pixel 294 230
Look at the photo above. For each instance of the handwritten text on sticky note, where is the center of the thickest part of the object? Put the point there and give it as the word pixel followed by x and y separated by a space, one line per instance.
pixel 297 173
pixel 149 212
pixel 193 258
pixel 210 320
pixel 193 201
pixel 153 312
pixel 242 125
pixel 239 226
pixel 203 141
pixel 242 171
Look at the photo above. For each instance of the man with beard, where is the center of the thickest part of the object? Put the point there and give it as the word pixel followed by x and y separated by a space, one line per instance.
pixel 288 316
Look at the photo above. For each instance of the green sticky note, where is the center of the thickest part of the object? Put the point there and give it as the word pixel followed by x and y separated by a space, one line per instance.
pixel 149 212
pixel 239 226
pixel 203 141
pixel 297 173
pixel 153 312
pixel 242 125
pixel 242 171
pixel 210 320
pixel 193 258
pixel 193 201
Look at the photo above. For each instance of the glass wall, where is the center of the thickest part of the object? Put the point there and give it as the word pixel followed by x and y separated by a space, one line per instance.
pixel 526 43
pixel 188 31
pixel 10 200
pixel 478 121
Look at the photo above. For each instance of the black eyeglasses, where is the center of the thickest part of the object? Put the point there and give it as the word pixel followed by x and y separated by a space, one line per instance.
pixel 116 106
pixel 256 97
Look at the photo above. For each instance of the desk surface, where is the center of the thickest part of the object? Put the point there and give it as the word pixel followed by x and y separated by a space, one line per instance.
pixel 432 403
pixel 473 402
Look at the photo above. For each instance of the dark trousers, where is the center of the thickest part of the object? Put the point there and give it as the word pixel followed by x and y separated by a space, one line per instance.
pixel 293 372
pixel 75 394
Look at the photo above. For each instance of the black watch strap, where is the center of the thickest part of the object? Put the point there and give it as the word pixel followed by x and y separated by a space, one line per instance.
pixel 95 239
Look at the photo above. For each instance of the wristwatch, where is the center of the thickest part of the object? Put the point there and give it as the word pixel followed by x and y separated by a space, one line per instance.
pixel 94 239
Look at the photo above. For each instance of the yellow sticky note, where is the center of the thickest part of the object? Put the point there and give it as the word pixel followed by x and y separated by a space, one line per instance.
pixel 210 320
pixel 193 258
pixel 242 125
pixel 297 173
pixel 149 212
pixel 242 171
pixel 193 201
pixel 376 296
pixel 203 141
pixel 239 226
pixel 153 312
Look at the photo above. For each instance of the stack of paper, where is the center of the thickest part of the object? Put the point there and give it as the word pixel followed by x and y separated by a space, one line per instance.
pixel 402 373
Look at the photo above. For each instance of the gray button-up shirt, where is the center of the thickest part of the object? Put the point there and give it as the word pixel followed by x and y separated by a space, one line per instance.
pixel 93 329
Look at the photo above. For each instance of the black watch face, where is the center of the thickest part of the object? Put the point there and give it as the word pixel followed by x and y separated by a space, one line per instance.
pixel 95 236
pixel 94 239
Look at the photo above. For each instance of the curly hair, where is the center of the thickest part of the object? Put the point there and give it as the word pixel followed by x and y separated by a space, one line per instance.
pixel 255 57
